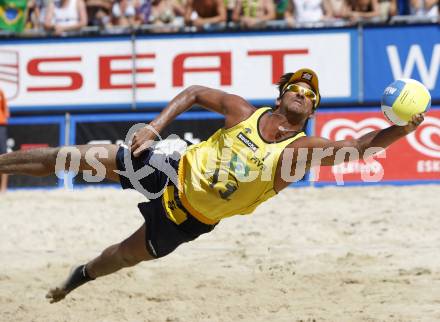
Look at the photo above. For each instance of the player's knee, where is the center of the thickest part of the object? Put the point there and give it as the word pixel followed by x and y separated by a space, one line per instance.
pixel 129 261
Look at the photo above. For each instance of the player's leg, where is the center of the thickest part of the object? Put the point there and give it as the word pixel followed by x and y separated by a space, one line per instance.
pixel 47 161
pixel 128 253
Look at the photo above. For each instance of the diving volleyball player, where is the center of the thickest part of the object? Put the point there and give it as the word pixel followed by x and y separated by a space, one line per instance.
pixel 214 176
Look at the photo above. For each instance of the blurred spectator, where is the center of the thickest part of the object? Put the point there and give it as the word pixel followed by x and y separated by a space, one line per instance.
pixel 364 10
pixel 13 15
pixel 124 13
pixel 230 5
pixel 4 115
pixel 42 9
pixel 161 13
pixel 65 15
pixel 33 17
pixel 403 7
pixel 253 13
pixel 306 11
pixel 98 12
pixel 339 9
pixel 387 9
pixel 143 11
pixel 202 13
pixel 36 13
pixel 424 8
pixel 280 8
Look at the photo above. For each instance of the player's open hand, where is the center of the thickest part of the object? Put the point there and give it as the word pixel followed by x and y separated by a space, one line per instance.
pixel 414 123
pixel 143 139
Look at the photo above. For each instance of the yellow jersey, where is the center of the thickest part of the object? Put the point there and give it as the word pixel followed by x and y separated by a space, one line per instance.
pixel 231 173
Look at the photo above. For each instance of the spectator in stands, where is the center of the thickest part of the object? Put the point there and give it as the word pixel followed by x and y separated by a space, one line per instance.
pixel 363 10
pixel 253 13
pixel 164 14
pixel 230 6
pixel 98 12
pixel 143 11
pixel 4 115
pixel 402 7
pixel 339 9
pixel 33 16
pixel 205 13
pixel 387 9
pixel 306 11
pixel 280 8
pixel 66 15
pixel 37 12
pixel 424 8
pixel 42 9
pixel 124 13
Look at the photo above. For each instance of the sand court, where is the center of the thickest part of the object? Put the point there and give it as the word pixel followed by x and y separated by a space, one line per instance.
pixel 309 254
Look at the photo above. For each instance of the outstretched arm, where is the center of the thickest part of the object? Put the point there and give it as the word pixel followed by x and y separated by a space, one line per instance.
pixel 233 107
pixel 308 152
pixel 379 139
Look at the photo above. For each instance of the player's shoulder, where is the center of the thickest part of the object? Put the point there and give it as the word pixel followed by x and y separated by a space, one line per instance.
pixel 237 110
pixel 239 106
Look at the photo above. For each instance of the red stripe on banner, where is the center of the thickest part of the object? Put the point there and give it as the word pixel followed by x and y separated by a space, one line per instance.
pixel 9 65
pixel 8 73
pixel 277 57
pixel 31 146
pixel 8 80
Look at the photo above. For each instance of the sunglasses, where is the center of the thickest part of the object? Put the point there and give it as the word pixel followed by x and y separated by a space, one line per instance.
pixel 295 88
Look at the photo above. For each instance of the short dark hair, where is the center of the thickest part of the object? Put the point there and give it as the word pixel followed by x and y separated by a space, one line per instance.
pixel 282 82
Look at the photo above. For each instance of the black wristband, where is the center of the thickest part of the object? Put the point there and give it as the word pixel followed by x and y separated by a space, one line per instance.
pixel 78 277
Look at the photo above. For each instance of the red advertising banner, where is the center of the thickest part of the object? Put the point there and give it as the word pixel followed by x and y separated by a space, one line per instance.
pixel 415 157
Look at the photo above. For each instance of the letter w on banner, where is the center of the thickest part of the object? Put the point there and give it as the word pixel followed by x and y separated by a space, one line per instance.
pixel 415 59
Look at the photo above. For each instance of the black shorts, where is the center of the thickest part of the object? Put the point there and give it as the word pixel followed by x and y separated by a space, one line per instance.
pixel 162 235
pixel 3 138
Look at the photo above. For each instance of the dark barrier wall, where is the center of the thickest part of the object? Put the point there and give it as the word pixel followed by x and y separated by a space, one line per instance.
pixel 105 129
pixel 30 133
pixel 192 127
pixel 414 159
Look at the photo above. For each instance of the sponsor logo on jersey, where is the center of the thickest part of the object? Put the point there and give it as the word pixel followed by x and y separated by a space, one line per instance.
pixel 246 141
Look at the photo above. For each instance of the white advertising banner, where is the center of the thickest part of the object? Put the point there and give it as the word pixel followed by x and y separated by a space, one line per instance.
pixel 87 73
